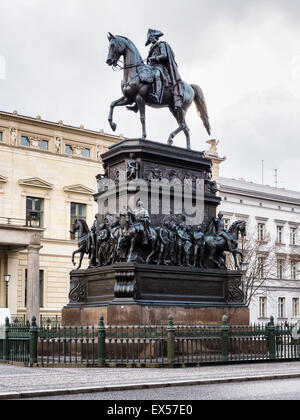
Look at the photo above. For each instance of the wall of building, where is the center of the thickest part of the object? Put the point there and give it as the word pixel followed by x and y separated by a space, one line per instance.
pixel 273 208
pixel 59 179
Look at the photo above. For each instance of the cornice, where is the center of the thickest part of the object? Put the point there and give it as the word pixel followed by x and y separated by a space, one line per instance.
pixel 259 194
pixel 79 189
pixel 36 183
pixel 101 135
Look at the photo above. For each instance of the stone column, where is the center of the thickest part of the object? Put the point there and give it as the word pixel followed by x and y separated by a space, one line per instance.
pixel 12 269
pixel 33 279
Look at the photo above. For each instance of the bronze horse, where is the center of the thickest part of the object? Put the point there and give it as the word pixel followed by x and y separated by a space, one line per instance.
pixel 216 246
pixel 132 233
pixel 84 240
pixel 137 92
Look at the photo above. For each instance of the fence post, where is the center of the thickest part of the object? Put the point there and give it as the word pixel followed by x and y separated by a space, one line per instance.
pixel 171 341
pixel 271 338
pixel 225 337
pixel 33 342
pixel 6 341
pixel 101 341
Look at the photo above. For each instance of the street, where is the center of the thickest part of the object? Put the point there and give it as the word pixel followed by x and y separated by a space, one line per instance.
pixel 256 390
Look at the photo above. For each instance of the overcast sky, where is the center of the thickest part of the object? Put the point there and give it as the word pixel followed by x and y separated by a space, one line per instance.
pixel 245 55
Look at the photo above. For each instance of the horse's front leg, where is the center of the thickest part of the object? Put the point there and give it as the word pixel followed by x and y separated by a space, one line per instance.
pixel 131 250
pixel 120 102
pixel 140 101
pixel 73 256
pixel 79 251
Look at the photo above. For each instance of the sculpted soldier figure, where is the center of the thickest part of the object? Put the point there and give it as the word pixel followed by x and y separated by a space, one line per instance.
pixel 93 242
pixel 199 244
pixel 141 215
pixel 162 58
pixel 103 245
pixel 133 168
pixel 221 231
pixel 184 245
pixel 173 242
pixel 164 244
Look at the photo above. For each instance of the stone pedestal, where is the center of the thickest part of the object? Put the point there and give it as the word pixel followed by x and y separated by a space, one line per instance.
pixel 137 294
pixel 128 314
pixel 178 194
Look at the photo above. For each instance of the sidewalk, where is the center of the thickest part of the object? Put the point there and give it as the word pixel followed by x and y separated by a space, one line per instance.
pixel 20 382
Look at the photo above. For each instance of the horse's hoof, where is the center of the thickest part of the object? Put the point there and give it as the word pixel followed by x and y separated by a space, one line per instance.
pixel 170 142
pixel 113 126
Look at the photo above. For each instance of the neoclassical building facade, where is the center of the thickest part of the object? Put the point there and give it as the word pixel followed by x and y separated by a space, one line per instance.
pixel 273 223
pixel 47 178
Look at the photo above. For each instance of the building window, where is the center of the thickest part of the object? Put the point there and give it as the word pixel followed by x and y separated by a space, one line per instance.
pixel 44 145
pixel 280 269
pixel 226 224
pixel 296 312
pixel 261 231
pixel 262 307
pixel 25 141
pixel 1 136
pixel 86 153
pixel 68 149
pixel 41 287
pixel 281 307
pixel 261 267
pixel 280 234
pixel 293 270
pixel 78 211
pixel 34 212
pixel 293 240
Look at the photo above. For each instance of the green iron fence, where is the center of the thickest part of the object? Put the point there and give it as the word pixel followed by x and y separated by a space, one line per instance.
pixel 160 345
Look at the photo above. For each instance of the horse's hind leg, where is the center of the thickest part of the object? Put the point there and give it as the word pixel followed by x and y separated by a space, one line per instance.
pixel 179 129
pixel 142 108
pixel 179 115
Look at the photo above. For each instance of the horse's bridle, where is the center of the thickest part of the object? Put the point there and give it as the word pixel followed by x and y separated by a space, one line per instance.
pixel 117 67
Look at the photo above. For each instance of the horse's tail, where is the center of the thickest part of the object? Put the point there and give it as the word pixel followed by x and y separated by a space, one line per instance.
pixel 201 107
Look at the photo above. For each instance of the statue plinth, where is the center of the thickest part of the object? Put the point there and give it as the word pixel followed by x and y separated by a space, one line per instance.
pixel 143 291
pixel 144 278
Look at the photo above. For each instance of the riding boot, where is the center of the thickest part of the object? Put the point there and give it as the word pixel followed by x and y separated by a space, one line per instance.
pixel 158 90
pixel 230 246
pixel 133 108
pixel 145 238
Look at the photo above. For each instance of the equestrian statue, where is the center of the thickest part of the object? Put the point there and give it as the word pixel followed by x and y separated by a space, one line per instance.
pixel 156 83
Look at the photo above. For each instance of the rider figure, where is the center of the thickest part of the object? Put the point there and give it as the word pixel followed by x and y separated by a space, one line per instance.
pixel 221 231
pixel 93 244
pixel 162 58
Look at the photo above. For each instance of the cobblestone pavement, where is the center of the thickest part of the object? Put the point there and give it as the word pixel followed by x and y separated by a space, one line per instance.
pixel 20 379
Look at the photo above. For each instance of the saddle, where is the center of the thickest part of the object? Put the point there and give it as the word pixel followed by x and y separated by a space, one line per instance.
pixel 146 74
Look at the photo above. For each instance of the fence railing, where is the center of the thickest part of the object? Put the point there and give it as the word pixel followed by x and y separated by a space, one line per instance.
pixel 21 319
pixel 12 221
pixel 160 345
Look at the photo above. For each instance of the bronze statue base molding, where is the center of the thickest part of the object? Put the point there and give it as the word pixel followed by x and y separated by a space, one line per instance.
pixel 130 293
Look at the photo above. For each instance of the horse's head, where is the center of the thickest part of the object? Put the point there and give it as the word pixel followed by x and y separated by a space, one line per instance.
pixel 116 50
pixel 81 226
pixel 75 227
pixel 238 227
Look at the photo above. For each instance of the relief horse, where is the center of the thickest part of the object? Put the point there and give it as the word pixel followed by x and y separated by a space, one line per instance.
pixel 216 246
pixel 132 234
pixel 84 240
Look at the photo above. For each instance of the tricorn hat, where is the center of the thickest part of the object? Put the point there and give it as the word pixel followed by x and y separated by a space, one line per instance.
pixel 153 32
